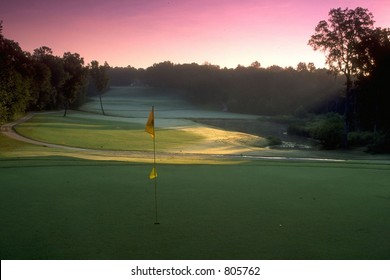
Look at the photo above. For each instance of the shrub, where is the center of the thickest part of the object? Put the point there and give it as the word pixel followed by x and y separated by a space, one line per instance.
pixel 328 130
pixel 359 139
pixel 380 143
pixel 274 141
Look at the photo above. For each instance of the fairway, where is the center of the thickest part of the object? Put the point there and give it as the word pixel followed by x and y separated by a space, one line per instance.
pixel 222 194
pixel 61 208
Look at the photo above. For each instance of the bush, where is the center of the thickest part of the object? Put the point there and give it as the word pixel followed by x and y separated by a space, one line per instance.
pixel 274 141
pixel 360 139
pixel 328 130
pixel 380 143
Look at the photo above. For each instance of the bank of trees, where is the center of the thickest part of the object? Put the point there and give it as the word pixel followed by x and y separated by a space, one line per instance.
pixel 38 81
pixel 256 90
pixel 253 89
pixel 14 79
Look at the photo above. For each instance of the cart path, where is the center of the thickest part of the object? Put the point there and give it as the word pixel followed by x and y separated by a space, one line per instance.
pixel 9 131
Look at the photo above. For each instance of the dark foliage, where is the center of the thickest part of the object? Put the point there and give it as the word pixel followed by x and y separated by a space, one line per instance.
pixel 253 90
pixel 40 81
pixel 373 89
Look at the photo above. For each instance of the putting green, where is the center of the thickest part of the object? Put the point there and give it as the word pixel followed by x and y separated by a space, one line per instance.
pixel 62 208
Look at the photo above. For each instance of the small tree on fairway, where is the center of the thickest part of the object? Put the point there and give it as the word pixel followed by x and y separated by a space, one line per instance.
pixel 100 78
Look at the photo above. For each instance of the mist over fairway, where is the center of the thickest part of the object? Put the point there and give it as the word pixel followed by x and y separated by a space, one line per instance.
pixel 183 128
pixel 126 108
pixel 133 102
pixel 224 132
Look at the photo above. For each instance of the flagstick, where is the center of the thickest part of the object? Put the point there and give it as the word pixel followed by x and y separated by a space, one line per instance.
pixel 155 170
pixel 155 179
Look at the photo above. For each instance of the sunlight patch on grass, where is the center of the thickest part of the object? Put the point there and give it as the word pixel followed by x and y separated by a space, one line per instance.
pixel 100 134
pixel 123 134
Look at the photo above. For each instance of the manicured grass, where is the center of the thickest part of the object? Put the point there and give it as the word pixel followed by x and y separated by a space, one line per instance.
pixel 9 147
pixel 98 134
pixel 8 144
pixel 63 208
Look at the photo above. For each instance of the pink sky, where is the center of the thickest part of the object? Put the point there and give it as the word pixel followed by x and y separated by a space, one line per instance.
pixel 142 32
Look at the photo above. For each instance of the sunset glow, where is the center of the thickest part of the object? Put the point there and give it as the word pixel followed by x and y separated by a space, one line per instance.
pixel 140 33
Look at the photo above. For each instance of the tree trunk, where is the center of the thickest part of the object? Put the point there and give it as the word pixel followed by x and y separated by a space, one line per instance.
pixel 101 104
pixel 347 112
pixel 66 108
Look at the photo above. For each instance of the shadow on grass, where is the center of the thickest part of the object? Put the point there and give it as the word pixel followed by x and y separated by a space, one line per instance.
pixel 60 161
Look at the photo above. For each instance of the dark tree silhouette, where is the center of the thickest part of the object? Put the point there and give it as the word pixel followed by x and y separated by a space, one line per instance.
pixel 76 77
pixel 373 98
pixel 339 38
pixel 14 79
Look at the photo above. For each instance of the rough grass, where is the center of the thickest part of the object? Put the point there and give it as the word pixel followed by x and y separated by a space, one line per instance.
pixel 61 208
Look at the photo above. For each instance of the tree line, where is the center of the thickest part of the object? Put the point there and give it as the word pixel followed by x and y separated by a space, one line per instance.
pixel 253 90
pixel 42 81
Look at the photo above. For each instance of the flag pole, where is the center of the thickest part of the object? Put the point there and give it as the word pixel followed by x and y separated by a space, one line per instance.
pixel 149 128
pixel 155 177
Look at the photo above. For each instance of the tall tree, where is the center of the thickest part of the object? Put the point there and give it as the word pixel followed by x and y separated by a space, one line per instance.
pixel 41 79
pixel 14 79
pixel 373 98
pixel 99 74
pixel 339 38
pixel 76 78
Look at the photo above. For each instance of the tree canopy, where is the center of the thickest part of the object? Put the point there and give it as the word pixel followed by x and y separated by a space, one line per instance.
pixel 339 38
pixel 38 81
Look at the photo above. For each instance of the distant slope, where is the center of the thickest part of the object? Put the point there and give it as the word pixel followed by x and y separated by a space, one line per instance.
pixel 133 102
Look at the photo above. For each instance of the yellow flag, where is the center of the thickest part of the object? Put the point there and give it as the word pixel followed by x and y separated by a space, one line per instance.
pixel 153 174
pixel 149 128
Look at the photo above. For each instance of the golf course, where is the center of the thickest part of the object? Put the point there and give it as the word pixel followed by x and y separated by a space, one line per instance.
pixel 78 187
